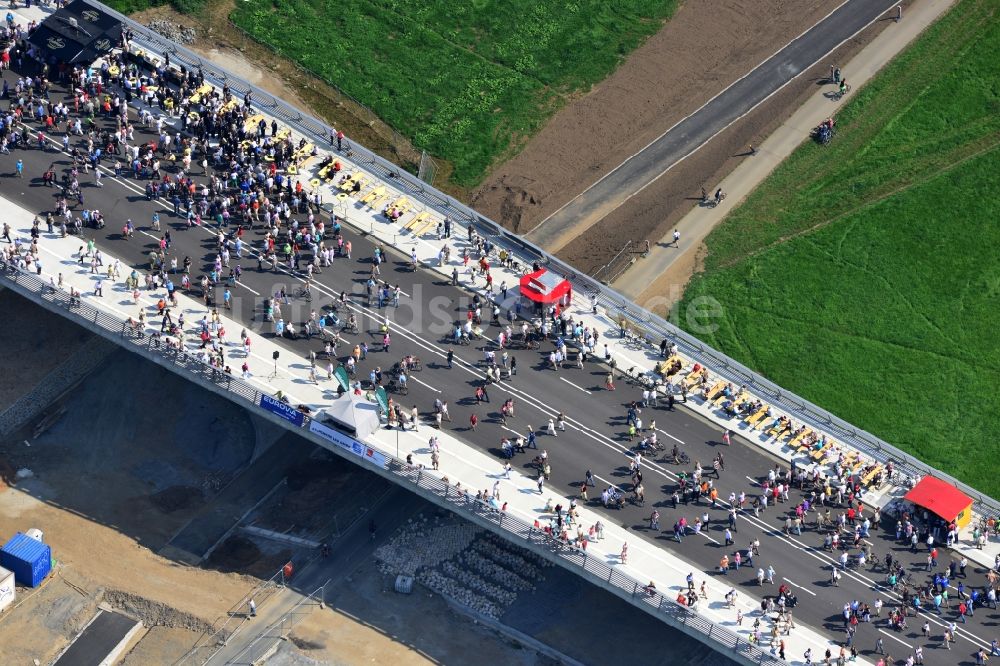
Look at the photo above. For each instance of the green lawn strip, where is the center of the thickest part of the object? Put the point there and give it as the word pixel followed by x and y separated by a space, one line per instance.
pixel 938 98
pixel 466 81
pixel 886 317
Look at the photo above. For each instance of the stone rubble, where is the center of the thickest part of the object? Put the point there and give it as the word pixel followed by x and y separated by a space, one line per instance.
pixel 458 560
pixel 173 31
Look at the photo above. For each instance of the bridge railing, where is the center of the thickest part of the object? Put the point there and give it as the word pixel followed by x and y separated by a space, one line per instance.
pixel 615 304
pixel 591 567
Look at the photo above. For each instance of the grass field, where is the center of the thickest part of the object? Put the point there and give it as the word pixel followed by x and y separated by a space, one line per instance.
pixel 466 80
pixel 865 275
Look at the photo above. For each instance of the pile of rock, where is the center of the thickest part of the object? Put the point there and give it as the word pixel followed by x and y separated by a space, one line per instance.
pixel 474 561
pixel 175 32
pixel 423 544
pixel 524 562
pixel 455 591
pixel 468 565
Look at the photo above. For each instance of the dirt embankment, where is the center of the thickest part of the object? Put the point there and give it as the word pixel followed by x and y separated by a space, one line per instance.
pixel 702 50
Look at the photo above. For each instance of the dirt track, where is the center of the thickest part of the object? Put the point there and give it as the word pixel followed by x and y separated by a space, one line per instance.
pixel 699 52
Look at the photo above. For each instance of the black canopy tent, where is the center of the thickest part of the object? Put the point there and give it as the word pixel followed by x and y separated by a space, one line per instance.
pixel 79 33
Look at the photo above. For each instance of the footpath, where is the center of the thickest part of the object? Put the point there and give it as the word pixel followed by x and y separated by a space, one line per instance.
pixel 643 282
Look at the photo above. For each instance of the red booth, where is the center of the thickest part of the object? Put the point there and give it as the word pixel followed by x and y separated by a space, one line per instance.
pixel 544 287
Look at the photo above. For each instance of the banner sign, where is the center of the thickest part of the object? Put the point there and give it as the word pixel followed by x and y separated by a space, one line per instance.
pixel 374 457
pixel 346 442
pixel 349 444
pixel 286 412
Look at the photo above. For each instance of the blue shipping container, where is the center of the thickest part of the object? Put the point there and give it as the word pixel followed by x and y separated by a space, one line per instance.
pixel 30 560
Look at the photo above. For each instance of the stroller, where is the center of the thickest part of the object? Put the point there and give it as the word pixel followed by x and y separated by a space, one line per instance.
pixel 824 132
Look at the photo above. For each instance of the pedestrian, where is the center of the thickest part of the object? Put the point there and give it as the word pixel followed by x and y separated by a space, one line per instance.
pixel 589 476
pixel 726 439
pixel 899 13
pixel 623 558
pixel 677 238
pixel 252 606
pixel 879 645
pixel 609 382
pixel 451 357
pixel 99 288
pixel 541 483
pixel 473 421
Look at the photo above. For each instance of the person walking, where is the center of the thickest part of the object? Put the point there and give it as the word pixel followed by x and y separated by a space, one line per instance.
pixel 677 238
pixel 726 439
pixel 473 421
pixel 252 608
pixel 541 483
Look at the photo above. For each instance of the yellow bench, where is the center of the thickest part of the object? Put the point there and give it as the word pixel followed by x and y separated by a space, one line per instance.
pixel 428 224
pixel 417 219
pixel 694 377
pixel 870 476
pixel 282 134
pixel 348 184
pixel 798 438
pixel 716 389
pixel 377 200
pixel 373 194
pixel 250 124
pixel 820 453
pixel 754 419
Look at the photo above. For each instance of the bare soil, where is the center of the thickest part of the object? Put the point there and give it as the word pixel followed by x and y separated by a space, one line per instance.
pixel 699 52
pixel 368 623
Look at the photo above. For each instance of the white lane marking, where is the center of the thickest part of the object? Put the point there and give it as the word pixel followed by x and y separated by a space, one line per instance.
pixel 753 481
pixel 412 378
pixel 579 388
pixel 895 638
pixel 670 436
pixel 804 589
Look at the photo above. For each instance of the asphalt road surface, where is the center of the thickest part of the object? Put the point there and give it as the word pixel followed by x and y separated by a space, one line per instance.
pixel 632 176
pixel 596 436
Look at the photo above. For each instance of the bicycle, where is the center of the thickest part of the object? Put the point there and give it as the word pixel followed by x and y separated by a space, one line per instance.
pixel 840 93
pixel 350 327
pixel 304 292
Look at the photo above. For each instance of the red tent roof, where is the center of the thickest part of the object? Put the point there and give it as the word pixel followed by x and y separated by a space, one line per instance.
pixel 940 497
pixel 544 287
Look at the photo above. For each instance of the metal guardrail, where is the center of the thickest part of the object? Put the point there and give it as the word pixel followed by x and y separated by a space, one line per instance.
pixel 428 486
pixel 615 304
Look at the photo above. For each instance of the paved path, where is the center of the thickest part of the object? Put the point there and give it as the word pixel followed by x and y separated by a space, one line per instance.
pixel 594 438
pixel 640 281
pixel 740 98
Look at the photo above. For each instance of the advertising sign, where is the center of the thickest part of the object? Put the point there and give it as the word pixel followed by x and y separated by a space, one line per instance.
pixel 286 412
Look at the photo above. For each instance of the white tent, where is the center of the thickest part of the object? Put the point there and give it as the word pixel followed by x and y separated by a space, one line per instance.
pixel 356 416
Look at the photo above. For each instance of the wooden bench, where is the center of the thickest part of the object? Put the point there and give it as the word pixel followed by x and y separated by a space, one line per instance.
pixel 428 224
pixel 251 123
pixel 821 453
pixel 417 219
pixel 716 389
pixel 867 479
pixel 754 419
pixel 373 194
pixel 378 199
pixel 694 377
pixel 798 438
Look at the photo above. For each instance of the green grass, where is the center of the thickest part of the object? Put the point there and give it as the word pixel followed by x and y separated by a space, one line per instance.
pixel 467 80
pixel 865 275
